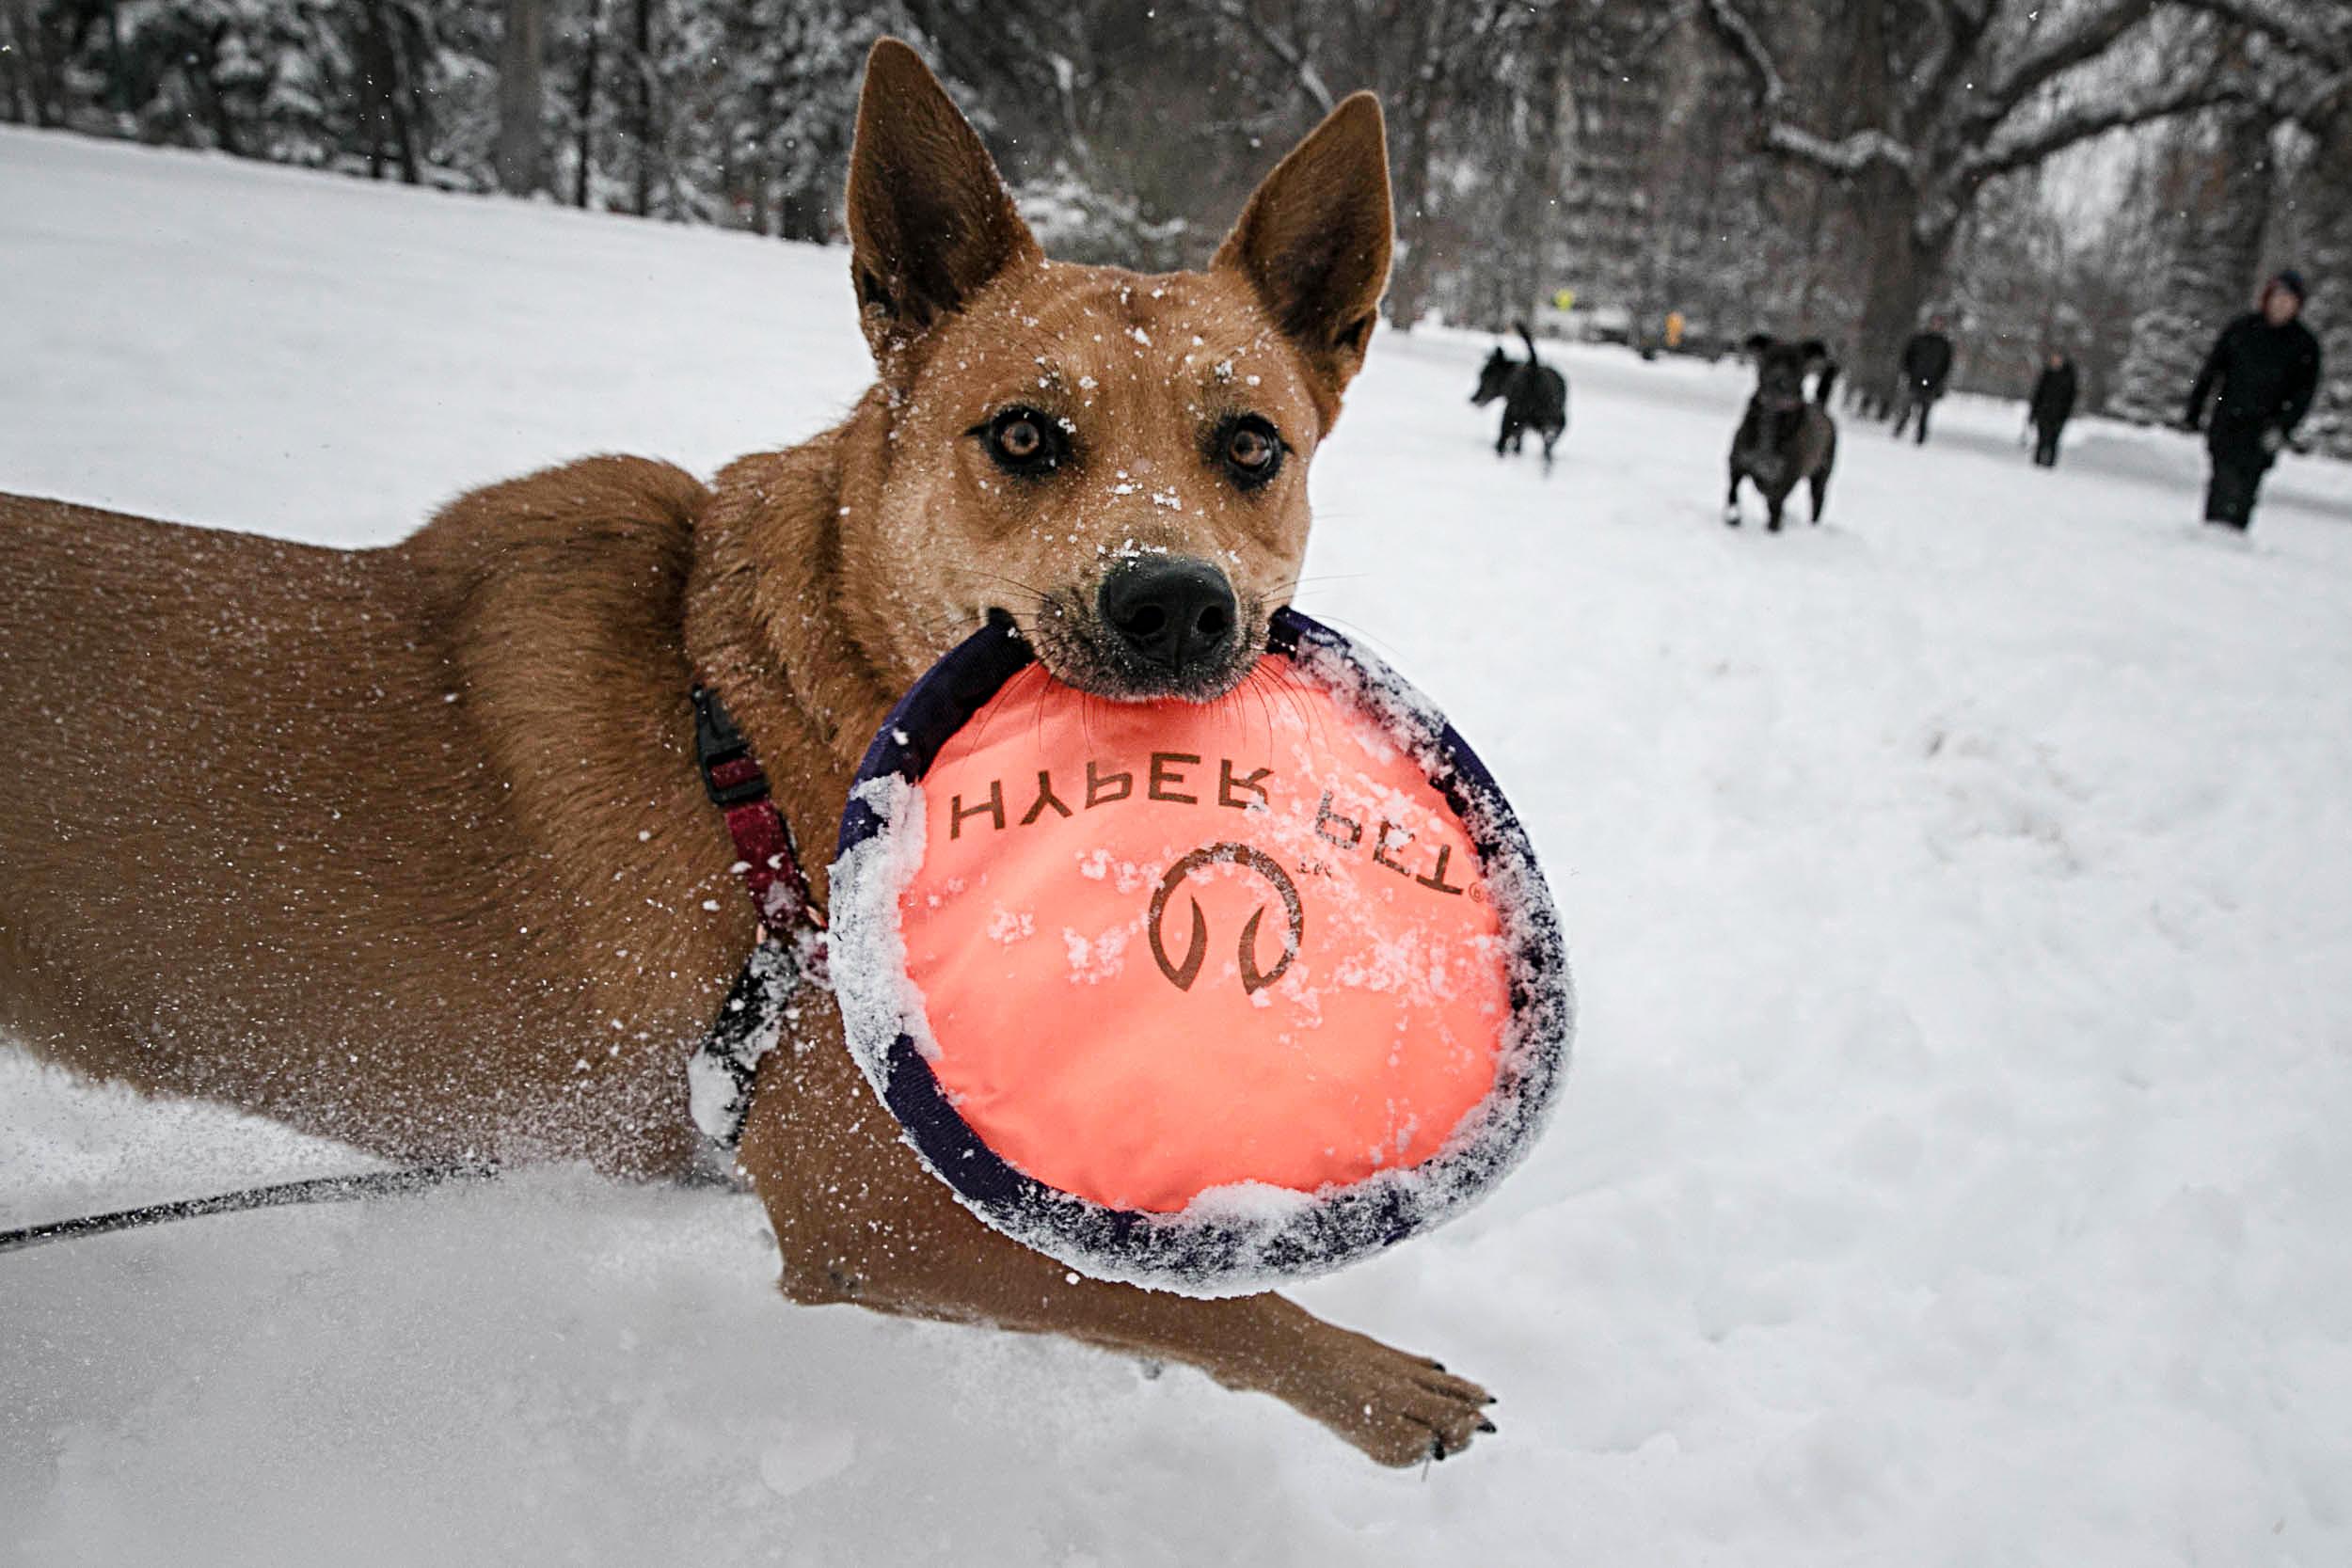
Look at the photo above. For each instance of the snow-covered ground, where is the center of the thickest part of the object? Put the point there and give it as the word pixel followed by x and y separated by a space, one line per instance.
pixel 1955 1170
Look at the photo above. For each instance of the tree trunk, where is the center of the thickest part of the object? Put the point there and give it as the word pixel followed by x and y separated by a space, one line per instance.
pixel 1816 226
pixel 641 115
pixel 372 119
pixel 117 65
pixel 1529 265
pixel 201 67
pixel 584 105
pixel 15 92
pixel 1417 267
pixel 2328 264
pixel 1416 263
pixel 1888 204
pixel 408 106
pixel 25 68
pixel 32 74
pixel 522 56
pixel 1900 270
pixel 380 90
pixel 2224 203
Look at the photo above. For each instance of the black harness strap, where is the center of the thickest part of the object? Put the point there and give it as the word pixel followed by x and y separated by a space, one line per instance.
pixel 761 1010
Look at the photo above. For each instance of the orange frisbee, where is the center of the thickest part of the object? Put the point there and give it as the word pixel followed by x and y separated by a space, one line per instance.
pixel 1200 996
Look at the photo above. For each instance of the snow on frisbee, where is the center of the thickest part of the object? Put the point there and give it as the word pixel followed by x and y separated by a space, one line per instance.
pixel 1198 996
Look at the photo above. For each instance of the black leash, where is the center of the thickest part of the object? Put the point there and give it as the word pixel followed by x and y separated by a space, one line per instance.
pixel 322 1189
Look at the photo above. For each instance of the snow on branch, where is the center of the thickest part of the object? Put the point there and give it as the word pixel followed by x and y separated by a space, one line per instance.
pixel 1964 24
pixel 1738 34
pixel 2331 96
pixel 1847 155
pixel 2323 49
pixel 2294 25
pixel 2007 154
pixel 2079 44
pixel 1285 50
pixel 1964 35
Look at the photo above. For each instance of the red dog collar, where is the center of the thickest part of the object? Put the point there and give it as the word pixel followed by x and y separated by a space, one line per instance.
pixel 762 1004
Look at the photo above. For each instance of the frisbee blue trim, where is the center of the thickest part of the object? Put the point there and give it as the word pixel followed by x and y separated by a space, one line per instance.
pixel 1214 1254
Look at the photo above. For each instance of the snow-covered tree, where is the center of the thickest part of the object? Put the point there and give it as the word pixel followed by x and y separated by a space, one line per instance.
pixel 1941 100
pixel 1825 166
pixel 2214 191
pixel 522 97
pixel 2320 217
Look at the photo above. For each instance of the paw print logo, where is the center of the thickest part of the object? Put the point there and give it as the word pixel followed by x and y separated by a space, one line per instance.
pixel 1183 972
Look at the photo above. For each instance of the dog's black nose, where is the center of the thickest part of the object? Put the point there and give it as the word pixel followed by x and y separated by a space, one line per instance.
pixel 1178 614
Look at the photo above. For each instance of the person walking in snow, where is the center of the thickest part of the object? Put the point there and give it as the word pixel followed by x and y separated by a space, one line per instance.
pixel 2264 372
pixel 1926 364
pixel 2051 406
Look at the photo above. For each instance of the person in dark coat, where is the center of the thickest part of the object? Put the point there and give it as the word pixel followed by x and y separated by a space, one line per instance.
pixel 2052 405
pixel 2263 371
pixel 1926 365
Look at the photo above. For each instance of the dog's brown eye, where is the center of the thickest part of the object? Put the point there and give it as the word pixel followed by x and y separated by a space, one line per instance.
pixel 1253 451
pixel 1021 440
pixel 1024 441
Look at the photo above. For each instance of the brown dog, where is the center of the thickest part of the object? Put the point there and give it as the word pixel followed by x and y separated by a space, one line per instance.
pixel 407 847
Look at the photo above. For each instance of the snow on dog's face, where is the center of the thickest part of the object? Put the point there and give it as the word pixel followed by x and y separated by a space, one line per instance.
pixel 1117 461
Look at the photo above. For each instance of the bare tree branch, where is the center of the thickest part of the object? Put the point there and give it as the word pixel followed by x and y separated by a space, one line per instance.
pixel 1283 49
pixel 1963 37
pixel 2006 155
pixel 2331 97
pixel 2294 26
pixel 1653 38
pixel 1738 34
pixel 1967 15
pixel 2318 90
pixel 2077 45
pixel 1847 155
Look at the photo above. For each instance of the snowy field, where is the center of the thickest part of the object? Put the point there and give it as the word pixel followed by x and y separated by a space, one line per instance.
pixel 1956 1169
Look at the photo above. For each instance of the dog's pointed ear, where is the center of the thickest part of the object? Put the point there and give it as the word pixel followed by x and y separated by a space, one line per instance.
pixel 1814 349
pixel 1313 240
pixel 1757 342
pixel 931 222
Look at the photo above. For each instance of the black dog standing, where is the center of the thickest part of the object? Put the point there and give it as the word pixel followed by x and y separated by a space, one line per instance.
pixel 1535 397
pixel 1783 439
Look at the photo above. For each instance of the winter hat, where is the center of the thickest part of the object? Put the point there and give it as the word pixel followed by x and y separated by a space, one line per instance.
pixel 1201 996
pixel 2292 280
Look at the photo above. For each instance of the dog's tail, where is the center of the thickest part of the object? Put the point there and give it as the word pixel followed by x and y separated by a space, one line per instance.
pixel 1829 379
pixel 1528 339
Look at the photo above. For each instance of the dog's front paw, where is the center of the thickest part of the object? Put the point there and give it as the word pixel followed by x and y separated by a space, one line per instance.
pixel 1399 1409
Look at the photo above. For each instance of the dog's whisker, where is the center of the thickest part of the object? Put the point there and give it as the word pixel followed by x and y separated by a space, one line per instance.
pixel 1037 596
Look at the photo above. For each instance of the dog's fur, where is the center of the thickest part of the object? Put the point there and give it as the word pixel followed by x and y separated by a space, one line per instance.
pixel 407 847
pixel 1535 397
pixel 1783 440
